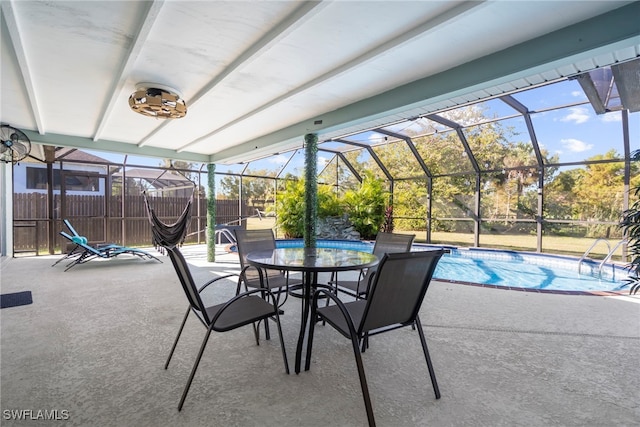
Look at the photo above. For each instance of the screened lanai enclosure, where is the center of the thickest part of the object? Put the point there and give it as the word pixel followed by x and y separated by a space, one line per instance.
pixel 546 169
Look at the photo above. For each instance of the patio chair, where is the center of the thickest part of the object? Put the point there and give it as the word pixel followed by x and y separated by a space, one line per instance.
pixel 83 252
pixel 385 243
pixel 396 293
pixel 246 308
pixel 274 280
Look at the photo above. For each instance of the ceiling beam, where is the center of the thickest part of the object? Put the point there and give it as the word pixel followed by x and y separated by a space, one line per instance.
pixel 58 140
pixel 146 25
pixel 419 30
pixel 602 34
pixel 289 24
pixel 13 27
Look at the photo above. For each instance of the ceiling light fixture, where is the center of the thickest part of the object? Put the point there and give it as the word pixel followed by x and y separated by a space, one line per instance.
pixel 159 101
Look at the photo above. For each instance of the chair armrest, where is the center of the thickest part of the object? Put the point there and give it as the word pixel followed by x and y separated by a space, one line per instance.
pixel 339 303
pixel 226 276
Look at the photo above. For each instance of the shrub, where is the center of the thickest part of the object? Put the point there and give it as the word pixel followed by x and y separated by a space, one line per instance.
pixel 290 207
pixel 366 206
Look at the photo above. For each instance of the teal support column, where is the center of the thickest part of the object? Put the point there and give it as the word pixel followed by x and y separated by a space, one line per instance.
pixel 311 189
pixel 211 212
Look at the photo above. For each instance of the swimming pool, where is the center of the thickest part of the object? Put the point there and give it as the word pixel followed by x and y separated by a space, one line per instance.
pixel 508 269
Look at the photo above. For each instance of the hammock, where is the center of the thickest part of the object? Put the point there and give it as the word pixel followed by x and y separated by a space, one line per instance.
pixel 168 236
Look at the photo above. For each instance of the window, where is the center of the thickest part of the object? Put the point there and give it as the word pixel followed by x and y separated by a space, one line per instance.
pixel 37 180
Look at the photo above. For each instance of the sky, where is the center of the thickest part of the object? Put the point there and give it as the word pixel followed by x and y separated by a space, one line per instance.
pixel 576 133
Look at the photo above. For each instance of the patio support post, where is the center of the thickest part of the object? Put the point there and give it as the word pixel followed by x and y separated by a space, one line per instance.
pixel 50 158
pixel 429 207
pixel 626 143
pixel 50 213
pixel 477 220
pixel 311 189
pixel 211 212
pixel 540 216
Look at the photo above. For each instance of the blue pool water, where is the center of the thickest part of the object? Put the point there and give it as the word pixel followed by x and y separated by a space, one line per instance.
pixel 507 268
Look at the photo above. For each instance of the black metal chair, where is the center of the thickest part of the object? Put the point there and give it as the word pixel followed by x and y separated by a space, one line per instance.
pixel 246 308
pixel 385 243
pixel 396 293
pixel 275 280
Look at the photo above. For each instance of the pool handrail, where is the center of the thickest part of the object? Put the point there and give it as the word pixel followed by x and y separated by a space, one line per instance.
pixel 610 253
pixel 608 257
pixel 226 233
pixel 584 256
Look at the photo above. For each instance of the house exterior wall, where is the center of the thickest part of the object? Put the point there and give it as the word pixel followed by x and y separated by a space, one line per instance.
pixel 20 178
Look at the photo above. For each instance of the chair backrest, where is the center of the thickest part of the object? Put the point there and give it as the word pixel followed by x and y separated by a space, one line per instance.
pixel 253 240
pixel 70 227
pixel 387 243
pixel 398 288
pixel 82 242
pixel 187 282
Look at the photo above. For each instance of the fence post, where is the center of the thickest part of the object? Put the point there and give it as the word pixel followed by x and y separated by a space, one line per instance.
pixel 211 213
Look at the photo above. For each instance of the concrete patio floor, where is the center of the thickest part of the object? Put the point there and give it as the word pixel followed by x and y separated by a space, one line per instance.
pixel 92 347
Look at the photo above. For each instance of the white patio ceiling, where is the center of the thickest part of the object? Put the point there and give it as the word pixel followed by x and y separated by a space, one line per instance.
pixel 258 75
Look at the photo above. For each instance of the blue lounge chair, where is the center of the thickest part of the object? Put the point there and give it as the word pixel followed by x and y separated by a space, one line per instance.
pixel 83 251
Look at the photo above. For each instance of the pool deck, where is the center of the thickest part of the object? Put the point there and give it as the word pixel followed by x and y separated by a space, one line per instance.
pixel 95 339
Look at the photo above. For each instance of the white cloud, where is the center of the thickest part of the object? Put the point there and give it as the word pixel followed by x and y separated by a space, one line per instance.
pixel 611 118
pixel 576 145
pixel 322 162
pixel 279 160
pixel 577 93
pixel 577 115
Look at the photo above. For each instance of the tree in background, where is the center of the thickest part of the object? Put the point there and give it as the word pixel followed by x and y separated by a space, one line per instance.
pixel 559 198
pixel 593 193
pixel 338 175
pixel 508 183
pixel 410 205
pixel 598 189
pixel 253 188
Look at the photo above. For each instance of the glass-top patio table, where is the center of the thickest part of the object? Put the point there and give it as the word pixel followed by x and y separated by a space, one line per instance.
pixel 310 262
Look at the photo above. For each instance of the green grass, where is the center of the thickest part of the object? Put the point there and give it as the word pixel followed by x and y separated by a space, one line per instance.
pixel 573 246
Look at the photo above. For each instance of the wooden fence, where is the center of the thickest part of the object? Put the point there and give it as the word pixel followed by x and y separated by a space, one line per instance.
pixel 106 219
